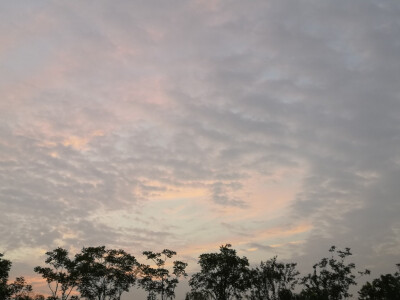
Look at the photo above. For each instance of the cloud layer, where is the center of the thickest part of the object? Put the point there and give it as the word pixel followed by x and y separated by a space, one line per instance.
pixel 273 125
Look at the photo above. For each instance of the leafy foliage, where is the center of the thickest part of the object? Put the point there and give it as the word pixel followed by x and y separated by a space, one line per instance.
pixel 104 274
pixel 382 288
pixel 61 276
pixel 98 273
pixel 196 296
pixel 17 290
pixel 273 280
pixel 223 275
pixel 20 290
pixel 332 277
pixel 5 266
pixel 158 280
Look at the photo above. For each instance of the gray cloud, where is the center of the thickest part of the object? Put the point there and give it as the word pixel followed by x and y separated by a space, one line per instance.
pixel 187 95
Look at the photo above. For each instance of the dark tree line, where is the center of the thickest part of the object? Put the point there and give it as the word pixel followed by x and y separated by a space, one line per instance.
pixel 97 273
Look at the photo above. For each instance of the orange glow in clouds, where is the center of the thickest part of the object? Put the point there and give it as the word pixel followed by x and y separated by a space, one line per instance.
pixel 80 143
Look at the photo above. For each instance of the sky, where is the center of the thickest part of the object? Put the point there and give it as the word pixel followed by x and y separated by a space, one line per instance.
pixel 273 125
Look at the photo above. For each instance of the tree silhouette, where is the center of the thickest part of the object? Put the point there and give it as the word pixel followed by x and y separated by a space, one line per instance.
pixel 20 290
pixel 332 277
pixel 223 275
pixel 61 276
pixel 104 274
pixel 273 280
pixel 385 287
pixel 158 280
pixel 196 296
pixel 17 290
pixel 5 266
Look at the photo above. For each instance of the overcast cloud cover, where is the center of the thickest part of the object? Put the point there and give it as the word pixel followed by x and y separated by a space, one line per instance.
pixel 270 124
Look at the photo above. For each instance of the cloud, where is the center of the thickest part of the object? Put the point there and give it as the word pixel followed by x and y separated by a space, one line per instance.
pixel 219 194
pixel 256 115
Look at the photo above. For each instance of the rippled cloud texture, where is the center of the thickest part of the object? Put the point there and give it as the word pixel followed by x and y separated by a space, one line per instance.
pixel 273 125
